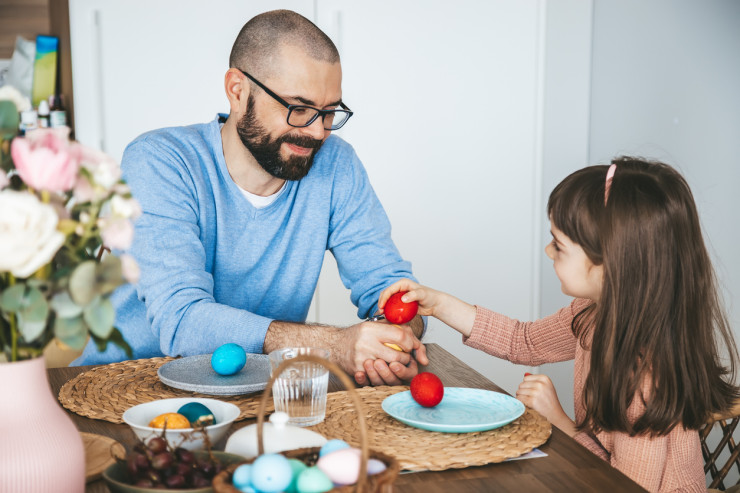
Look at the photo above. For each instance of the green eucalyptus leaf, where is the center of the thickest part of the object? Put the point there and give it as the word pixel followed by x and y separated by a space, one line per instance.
pixel 109 274
pixel 64 306
pixel 99 316
pixel 82 283
pixel 12 298
pixel 71 331
pixel 36 308
pixel 33 315
pixel 30 330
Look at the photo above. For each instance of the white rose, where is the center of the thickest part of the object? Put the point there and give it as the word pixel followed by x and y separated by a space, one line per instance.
pixel 126 208
pixel 28 233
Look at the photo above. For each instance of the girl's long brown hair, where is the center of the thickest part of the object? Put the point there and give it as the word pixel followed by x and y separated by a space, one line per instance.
pixel 659 316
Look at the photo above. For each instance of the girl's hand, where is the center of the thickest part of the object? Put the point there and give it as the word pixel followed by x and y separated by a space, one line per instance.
pixel 538 392
pixel 450 310
pixel 427 298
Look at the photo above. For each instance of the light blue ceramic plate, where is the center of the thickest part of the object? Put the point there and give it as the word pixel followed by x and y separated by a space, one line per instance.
pixel 462 410
pixel 194 373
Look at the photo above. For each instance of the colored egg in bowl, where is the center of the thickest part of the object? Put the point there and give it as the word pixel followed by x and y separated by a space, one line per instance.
pixel 182 421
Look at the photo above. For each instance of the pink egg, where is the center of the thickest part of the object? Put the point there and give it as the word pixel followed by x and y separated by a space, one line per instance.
pixel 341 466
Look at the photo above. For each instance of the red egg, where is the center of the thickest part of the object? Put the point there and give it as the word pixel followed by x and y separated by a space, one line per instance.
pixel 398 312
pixel 427 389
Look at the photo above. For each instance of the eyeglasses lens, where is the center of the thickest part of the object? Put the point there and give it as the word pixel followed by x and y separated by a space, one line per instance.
pixel 303 116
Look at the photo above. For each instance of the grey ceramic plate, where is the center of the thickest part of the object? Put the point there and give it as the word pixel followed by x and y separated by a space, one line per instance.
pixel 195 373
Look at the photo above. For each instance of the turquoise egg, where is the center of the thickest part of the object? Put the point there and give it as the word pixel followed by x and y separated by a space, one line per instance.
pixel 242 476
pixel 297 468
pixel 332 445
pixel 197 413
pixel 271 473
pixel 228 359
pixel 313 480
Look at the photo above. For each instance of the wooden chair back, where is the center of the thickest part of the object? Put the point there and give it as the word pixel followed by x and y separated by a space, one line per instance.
pixel 718 467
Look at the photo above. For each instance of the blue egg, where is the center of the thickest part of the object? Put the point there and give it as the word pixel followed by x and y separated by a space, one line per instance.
pixel 271 473
pixel 228 359
pixel 375 466
pixel 332 445
pixel 197 413
pixel 314 480
pixel 297 467
pixel 242 476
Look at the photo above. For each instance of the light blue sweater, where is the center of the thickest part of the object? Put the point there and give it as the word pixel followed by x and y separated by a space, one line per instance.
pixel 214 269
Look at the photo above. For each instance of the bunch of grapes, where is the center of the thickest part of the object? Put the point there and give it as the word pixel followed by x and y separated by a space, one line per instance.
pixel 156 465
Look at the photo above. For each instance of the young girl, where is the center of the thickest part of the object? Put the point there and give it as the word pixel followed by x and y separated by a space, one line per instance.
pixel 644 330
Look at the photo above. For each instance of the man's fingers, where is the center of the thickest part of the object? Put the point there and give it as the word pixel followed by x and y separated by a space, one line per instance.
pixel 385 373
pixel 420 354
pixel 405 373
pixel 361 378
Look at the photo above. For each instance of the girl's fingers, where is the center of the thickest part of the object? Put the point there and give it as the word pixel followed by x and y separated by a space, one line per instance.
pixel 402 285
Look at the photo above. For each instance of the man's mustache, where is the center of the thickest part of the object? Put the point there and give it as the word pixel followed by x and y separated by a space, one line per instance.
pixel 301 141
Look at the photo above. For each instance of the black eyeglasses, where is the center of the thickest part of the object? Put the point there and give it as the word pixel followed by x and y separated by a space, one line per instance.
pixel 302 116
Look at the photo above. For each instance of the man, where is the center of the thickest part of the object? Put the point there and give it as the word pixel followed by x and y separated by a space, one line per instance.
pixel 239 212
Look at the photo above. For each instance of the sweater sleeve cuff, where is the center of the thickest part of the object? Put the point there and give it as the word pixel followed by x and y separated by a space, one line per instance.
pixel 253 332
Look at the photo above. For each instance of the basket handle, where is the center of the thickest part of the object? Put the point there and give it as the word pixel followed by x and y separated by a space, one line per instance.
pixel 336 370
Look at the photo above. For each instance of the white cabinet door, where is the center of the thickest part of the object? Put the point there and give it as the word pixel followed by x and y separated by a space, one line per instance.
pixel 447 107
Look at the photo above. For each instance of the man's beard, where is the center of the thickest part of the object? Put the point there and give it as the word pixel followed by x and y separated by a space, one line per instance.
pixel 267 152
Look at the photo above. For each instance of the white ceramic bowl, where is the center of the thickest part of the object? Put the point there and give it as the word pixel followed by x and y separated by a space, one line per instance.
pixel 138 418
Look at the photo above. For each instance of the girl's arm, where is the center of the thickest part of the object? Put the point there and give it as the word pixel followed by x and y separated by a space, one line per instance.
pixel 445 307
pixel 547 340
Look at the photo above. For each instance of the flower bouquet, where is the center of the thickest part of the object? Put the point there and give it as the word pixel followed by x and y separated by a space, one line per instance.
pixel 63 208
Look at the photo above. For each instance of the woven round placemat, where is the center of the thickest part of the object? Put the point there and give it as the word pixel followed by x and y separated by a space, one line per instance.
pixel 420 450
pixel 105 392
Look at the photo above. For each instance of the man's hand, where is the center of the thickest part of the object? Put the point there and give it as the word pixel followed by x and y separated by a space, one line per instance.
pixel 538 392
pixel 360 349
pixel 382 372
pixel 365 353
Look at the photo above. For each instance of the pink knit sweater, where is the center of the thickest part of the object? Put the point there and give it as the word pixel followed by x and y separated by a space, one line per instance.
pixel 667 463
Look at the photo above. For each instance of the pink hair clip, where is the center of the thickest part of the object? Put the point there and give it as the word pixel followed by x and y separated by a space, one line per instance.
pixel 609 176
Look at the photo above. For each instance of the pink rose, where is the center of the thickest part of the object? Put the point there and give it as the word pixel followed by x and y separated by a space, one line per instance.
pixel 118 234
pixel 84 192
pixel 45 160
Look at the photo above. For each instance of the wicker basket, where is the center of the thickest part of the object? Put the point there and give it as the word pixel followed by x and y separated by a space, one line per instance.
pixel 379 483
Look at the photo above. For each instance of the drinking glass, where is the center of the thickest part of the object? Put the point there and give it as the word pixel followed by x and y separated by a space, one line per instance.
pixel 300 390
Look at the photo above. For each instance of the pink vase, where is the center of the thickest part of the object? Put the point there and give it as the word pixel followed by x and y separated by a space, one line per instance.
pixel 40 447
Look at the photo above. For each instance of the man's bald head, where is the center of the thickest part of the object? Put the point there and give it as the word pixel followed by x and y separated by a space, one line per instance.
pixel 258 45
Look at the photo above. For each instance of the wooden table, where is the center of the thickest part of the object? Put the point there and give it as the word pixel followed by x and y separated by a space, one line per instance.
pixel 569 467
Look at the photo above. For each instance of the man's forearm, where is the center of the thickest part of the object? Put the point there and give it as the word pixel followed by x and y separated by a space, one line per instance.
pixel 290 334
